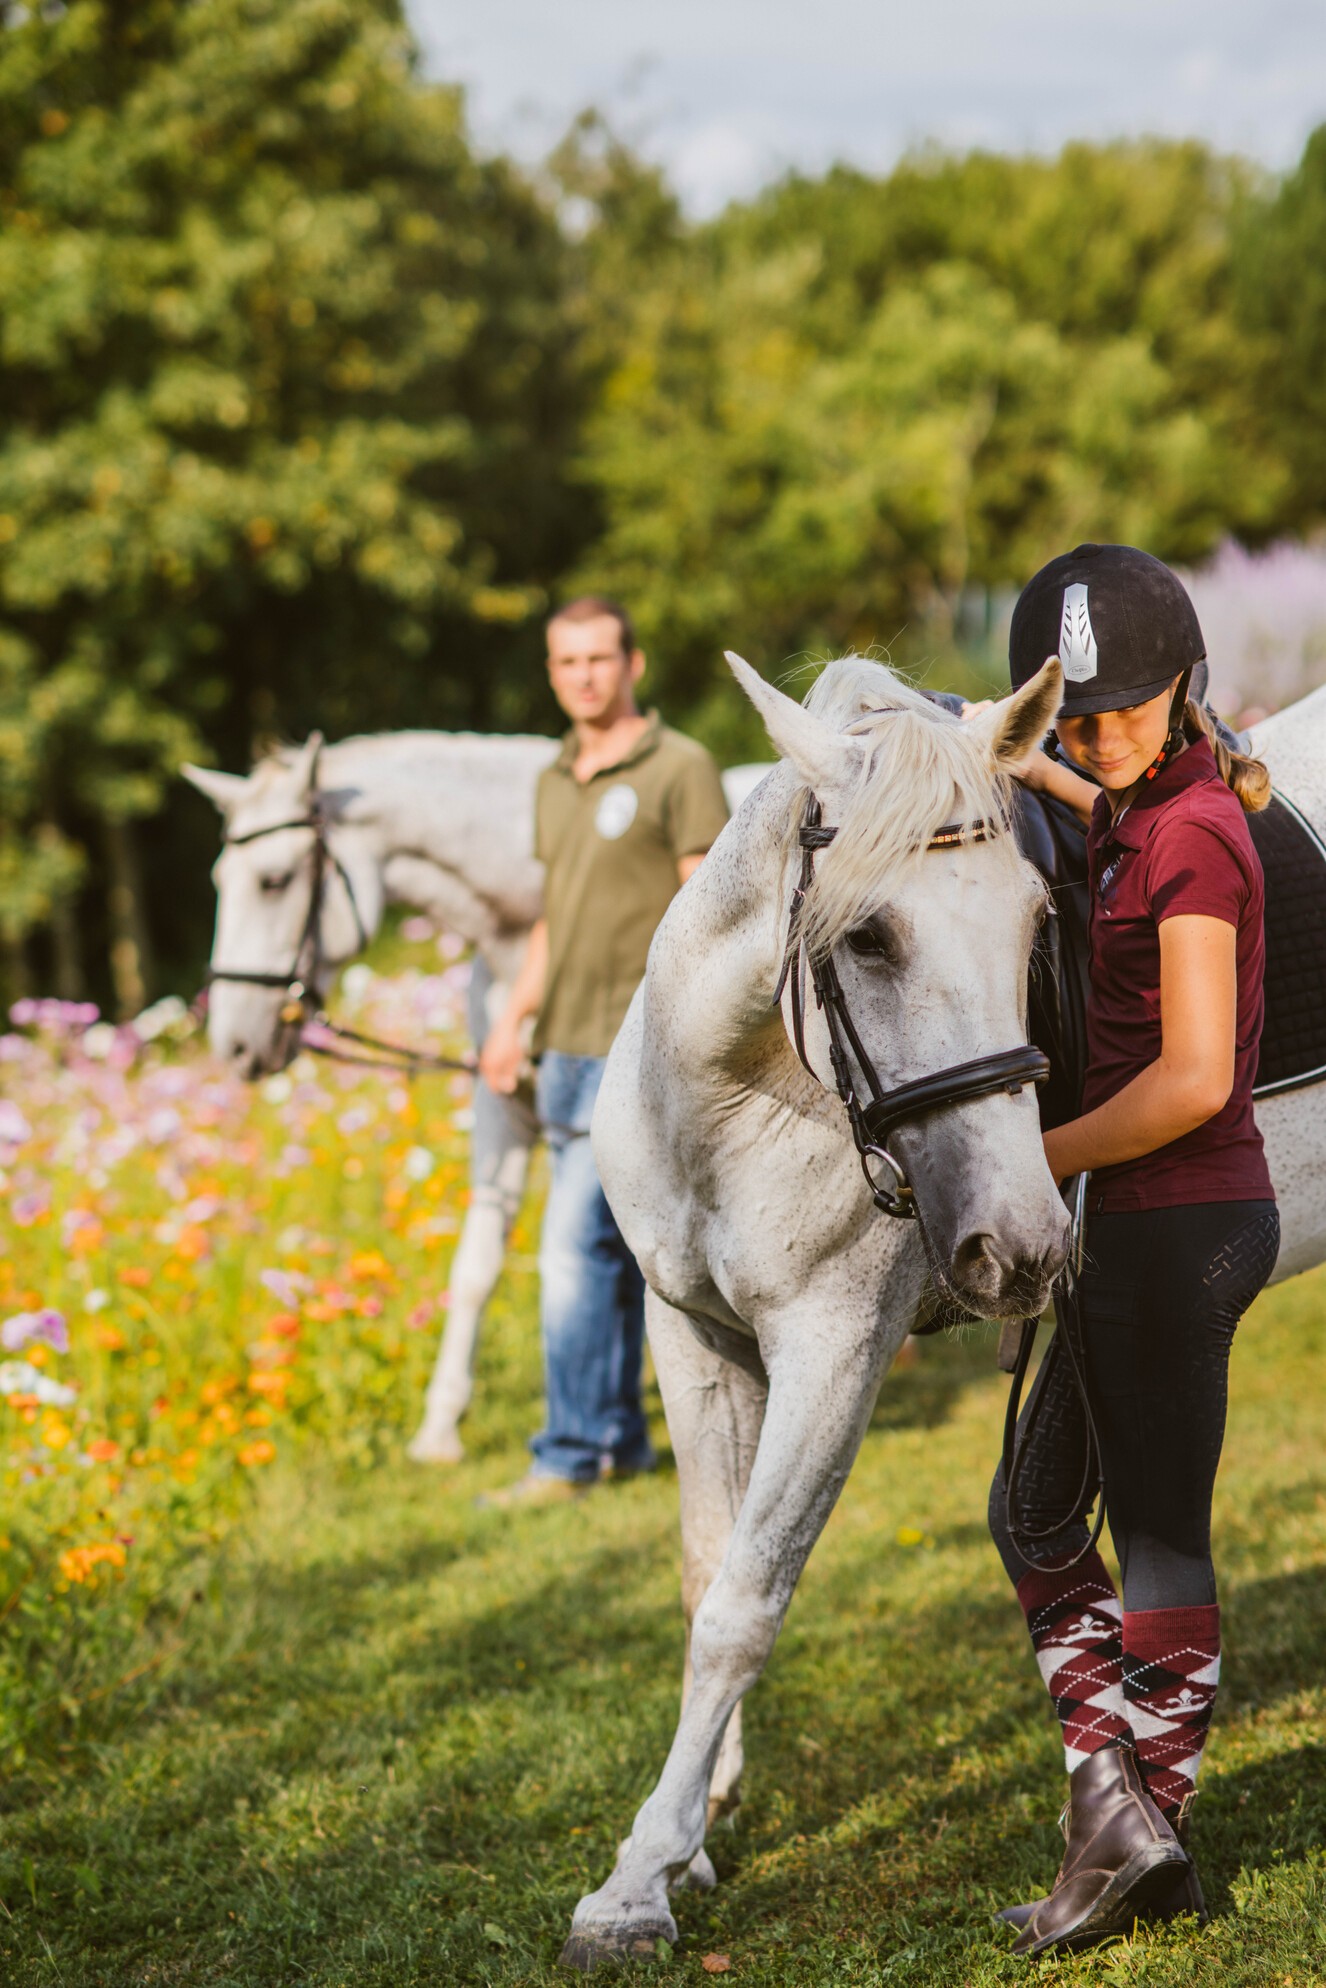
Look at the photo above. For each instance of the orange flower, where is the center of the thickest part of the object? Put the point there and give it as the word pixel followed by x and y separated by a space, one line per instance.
pixel 194 1243
pixel 136 1275
pixel 79 1562
pixel 103 1450
pixel 111 1338
pixel 272 1384
pixel 285 1325
pixel 368 1266
pixel 262 1451
pixel 86 1238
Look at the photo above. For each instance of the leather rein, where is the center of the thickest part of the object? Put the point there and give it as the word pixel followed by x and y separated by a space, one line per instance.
pixel 877 1114
pixel 300 983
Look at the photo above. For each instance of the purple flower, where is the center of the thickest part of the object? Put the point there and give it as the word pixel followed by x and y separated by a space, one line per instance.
pixel 46 1327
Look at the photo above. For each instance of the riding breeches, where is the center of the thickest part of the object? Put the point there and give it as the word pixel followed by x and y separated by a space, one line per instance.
pixel 1162 1291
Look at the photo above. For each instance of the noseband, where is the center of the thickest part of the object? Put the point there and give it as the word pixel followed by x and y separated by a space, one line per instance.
pixel 879 1115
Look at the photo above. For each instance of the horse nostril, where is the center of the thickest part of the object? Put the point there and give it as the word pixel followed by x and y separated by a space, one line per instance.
pixel 974 1255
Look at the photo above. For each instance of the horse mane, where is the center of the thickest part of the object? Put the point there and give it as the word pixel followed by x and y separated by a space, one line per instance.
pixel 923 771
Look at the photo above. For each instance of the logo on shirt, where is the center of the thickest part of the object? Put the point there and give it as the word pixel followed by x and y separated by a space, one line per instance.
pixel 616 811
pixel 1108 874
pixel 1077 638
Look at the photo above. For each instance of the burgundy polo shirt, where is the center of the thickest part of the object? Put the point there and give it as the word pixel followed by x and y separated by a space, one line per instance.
pixel 1182 847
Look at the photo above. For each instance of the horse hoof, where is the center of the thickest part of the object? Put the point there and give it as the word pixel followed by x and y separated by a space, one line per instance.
pixel 613 1946
pixel 436 1446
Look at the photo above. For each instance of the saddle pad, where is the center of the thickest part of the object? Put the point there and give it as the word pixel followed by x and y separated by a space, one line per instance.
pixel 1293 1051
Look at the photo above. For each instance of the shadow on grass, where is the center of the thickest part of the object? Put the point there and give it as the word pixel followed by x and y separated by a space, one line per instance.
pixel 924 1395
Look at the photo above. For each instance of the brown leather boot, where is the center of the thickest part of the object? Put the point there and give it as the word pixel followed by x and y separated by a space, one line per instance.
pixel 1183 1897
pixel 1121 1858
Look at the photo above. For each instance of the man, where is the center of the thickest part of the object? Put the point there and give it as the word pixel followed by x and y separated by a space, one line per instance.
pixel 622 819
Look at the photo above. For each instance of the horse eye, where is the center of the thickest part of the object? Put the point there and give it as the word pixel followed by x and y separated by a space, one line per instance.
pixel 869 942
pixel 271 885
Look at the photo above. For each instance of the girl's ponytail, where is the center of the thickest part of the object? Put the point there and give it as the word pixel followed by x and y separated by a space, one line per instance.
pixel 1247 777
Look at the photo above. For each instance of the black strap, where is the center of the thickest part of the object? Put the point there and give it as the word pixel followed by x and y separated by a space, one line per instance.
pixel 1068 1343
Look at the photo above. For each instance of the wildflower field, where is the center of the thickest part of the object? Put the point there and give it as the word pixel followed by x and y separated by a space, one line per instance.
pixel 279 1707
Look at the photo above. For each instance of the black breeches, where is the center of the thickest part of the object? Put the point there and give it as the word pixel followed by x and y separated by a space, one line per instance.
pixel 1162 1292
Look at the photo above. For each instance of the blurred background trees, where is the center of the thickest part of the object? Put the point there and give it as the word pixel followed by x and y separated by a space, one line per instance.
pixel 307 411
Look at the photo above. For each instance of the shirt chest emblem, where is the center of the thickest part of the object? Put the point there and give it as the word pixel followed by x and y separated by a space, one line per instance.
pixel 616 811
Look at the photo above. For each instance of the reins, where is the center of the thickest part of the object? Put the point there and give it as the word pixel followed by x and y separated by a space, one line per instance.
pixel 883 1111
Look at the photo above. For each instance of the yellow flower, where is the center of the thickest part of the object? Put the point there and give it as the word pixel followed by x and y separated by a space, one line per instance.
pixel 254 1453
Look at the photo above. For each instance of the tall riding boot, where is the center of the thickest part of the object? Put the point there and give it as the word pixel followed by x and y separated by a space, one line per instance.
pixel 1121 1858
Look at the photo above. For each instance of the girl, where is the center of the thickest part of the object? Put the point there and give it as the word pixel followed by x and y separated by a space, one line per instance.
pixel 1182 1233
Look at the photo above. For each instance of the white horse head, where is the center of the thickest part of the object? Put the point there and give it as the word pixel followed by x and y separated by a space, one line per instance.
pixel 299 891
pixel 932 947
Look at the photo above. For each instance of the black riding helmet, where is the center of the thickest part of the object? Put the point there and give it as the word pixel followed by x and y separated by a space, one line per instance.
pixel 1119 621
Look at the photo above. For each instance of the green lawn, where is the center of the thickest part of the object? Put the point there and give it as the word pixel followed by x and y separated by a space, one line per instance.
pixel 394 1738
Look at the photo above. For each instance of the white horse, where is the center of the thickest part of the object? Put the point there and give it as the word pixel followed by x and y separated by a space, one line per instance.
pixel 443 823
pixel 777 1293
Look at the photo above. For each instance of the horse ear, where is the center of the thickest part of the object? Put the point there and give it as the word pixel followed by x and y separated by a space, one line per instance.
pixel 820 755
pixel 305 764
pixel 1015 726
pixel 224 790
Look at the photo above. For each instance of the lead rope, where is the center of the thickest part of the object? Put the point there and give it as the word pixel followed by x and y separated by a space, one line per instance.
pixel 1068 1324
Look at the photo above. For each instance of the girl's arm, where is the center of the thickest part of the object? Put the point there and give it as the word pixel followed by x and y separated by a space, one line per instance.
pixel 1050 776
pixel 1191 1079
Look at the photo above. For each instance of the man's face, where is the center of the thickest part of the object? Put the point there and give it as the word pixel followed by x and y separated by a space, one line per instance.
pixel 592 676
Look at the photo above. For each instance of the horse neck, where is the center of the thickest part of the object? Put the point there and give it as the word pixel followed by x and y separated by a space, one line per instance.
pixel 449 819
pixel 729 929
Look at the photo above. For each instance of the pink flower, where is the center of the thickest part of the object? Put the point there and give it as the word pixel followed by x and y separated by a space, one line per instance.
pixel 285 1286
pixel 46 1327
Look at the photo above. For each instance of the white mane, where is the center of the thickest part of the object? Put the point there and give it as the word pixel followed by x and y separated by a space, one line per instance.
pixel 924 771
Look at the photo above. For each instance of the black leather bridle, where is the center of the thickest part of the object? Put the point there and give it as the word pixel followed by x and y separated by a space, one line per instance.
pixel 301 984
pixel 879 1115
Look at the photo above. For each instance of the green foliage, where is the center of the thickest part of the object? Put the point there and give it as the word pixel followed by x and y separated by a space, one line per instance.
pixel 876 396
pixel 278 378
pixel 1280 259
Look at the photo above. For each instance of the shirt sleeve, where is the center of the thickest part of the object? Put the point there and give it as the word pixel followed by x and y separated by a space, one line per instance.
pixel 697 810
pixel 540 809
pixel 1194 873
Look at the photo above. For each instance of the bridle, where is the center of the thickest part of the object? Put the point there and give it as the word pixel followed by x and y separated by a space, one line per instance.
pixel 300 984
pixel 882 1111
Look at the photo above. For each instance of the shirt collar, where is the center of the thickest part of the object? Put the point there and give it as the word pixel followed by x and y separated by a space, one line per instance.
pixel 644 745
pixel 1133 829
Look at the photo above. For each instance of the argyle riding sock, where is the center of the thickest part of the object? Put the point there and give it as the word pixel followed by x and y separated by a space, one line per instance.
pixel 1073 1615
pixel 1171 1667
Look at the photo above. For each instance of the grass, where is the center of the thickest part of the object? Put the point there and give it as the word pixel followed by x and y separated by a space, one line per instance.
pixel 392 1738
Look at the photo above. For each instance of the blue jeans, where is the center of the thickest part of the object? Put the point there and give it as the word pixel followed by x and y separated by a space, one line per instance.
pixel 592 1295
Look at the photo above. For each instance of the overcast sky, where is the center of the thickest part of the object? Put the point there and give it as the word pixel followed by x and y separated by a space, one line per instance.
pixel 730 92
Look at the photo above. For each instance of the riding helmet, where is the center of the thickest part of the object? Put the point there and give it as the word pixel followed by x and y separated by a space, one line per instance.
pixel 1119 621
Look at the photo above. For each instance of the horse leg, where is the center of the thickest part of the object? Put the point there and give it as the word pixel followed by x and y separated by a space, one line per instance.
pixel 500 1142
pixel 820 1396
pixel 715 1408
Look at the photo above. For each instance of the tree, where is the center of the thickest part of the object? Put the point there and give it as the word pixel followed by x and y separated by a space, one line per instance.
pixel 283 394
pixel 839 410
pixel 1280 263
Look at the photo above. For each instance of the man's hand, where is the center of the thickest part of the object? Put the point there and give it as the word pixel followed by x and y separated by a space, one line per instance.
pixel 503 1056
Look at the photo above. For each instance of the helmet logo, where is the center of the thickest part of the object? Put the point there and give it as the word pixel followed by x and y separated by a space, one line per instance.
pixel 1077 638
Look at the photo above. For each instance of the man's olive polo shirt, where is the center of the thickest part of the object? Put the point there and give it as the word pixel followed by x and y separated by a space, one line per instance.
pixel 610 846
